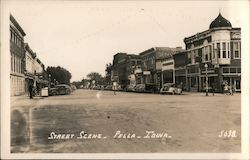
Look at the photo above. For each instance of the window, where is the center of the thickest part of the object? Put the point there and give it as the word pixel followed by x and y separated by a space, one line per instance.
pixel 205 57
pixel 239 70
pixel 228 50
pixel 189 57
pixel 236 50
pixel 213 51
pixel 232 70
pixel 11 59
pixel 14 63
pixel 218 50
pixel 209 52
pixel 224 52
pixel 192 57
pixel 225 70
pixel 196 56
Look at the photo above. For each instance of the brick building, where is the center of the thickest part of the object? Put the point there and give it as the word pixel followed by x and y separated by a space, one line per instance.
pixel 220 48
pixel 17 61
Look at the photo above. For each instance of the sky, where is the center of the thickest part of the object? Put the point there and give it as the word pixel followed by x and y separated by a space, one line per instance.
pixel 83 36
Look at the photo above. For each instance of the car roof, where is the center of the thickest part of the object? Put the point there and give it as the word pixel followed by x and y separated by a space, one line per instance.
pixel 168 84
pixel 65 85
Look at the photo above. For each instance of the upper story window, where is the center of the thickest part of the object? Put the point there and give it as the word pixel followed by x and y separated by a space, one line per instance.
pixel 192 57
pixel 189 57
pixel 207 53
pixel 236 50
pixel 224 51
pixel 213 51
pixel 228 50
pixel 218 49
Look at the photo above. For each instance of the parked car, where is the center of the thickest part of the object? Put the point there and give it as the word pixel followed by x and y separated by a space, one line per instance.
pixel 140 88
pixel 130 88
pixel 150 88
pixel 170 88
pixel 60 89
pixel 73 87
pixel 108 87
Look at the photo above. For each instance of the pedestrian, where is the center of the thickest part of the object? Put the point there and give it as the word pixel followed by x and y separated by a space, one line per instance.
pixel 230 89
pixel 114 87
pixel 31 90
pixel 226 89
pixel 213 88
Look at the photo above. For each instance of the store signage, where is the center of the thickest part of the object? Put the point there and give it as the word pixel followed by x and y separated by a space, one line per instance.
pixel 146 72
pixel 235 35
pixel 208 71
pixel 138 70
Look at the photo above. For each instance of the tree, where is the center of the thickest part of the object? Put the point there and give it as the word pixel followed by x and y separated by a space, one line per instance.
pixel 59 74
pixel 97 77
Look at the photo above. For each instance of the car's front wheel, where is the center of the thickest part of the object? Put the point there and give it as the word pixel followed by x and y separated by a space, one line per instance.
pixel 67 92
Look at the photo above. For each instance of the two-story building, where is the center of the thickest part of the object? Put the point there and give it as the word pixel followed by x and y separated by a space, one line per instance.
pixel 30 58
pixel 17 60
pixel 219 48
pixel 154 66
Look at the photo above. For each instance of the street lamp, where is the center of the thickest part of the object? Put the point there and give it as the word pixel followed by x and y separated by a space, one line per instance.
pixel 49 80
pixel 206 80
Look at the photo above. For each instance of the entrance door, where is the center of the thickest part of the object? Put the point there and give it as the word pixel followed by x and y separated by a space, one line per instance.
pixel 237 85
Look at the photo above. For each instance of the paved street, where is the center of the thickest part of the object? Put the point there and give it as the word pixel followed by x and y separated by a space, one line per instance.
pixel 184 123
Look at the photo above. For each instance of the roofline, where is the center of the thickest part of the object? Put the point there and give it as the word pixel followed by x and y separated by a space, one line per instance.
pixel 13 20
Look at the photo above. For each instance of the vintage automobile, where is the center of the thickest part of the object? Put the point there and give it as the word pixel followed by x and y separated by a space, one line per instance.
pixel 140 88
pixel 170 88
pixel 130 88
pixel 108 87
pixel 145 88
pixel 60 89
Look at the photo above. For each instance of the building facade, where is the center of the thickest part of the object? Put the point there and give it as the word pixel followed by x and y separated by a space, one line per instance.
pixel 124 68
pixel 30 58
pixel 17 58
pixel 153 65
pixel 220 48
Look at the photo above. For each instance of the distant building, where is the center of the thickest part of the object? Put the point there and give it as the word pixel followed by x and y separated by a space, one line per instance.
pixel 30 58
pixel 17 61
pixel 34 69
pixel 124 67
pixel 220 48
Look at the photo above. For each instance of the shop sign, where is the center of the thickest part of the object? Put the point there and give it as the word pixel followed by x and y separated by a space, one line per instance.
pixel 138 70
pixel 146 72
pixel 235 36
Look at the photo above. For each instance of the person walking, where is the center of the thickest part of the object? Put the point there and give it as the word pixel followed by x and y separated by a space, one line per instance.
pixel 31 90
pixel 226 89
pixel 213 88
pixel 114 87
pixel 230 90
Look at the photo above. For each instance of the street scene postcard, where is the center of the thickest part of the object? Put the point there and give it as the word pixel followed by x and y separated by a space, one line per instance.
pixel 124 79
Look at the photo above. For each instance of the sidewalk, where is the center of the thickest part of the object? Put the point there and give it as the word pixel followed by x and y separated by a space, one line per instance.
pixel 23 100
pixel 20 97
